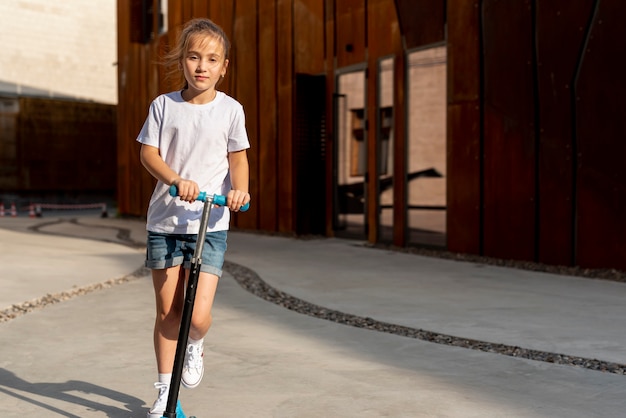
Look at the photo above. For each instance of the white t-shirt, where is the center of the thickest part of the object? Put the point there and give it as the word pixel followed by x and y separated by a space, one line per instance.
pixel 194 140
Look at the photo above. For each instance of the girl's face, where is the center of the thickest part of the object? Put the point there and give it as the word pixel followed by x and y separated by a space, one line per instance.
pixel 204 64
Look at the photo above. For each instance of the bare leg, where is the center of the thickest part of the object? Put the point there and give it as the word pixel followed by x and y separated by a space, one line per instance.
pixel 169 290
pixel 201 318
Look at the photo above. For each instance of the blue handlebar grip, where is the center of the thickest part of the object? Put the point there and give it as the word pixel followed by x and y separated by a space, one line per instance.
pixel 218 199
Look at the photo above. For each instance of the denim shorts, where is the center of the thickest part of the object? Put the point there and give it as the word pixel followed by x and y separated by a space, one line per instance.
pixel 169 250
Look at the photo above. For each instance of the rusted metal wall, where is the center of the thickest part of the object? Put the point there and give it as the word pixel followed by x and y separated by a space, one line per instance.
pixel 138 80
pixel 350 29
pixel 261 75
pixel 422 21
pixel 464 128
pixel 534 126
pixel 56 146
pixel 9 170
pixel 509 141
pixel 560 39
pixel 600 146
pixel 535 132
pixel 285 73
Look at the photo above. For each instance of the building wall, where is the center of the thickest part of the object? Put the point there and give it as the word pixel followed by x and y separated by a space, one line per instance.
pixel 533 106
pixel 59 49
pixel 536 131
pixel 50 146
pixel 261 75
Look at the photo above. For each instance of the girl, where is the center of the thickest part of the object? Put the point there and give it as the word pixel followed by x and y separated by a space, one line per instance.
pixel 196 139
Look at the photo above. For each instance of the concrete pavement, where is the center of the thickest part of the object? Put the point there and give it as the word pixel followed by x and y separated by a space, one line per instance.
pixel 87 352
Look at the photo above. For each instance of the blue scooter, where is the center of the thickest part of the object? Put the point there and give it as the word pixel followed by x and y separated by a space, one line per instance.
pixel 173 408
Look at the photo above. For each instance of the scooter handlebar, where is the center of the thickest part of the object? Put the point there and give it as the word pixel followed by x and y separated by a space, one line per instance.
pixel 218 199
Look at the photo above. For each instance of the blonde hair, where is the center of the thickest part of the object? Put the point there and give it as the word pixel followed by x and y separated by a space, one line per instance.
pixel 199 26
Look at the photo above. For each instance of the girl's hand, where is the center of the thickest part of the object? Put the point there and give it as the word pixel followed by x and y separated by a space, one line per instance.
pixel 188 190
pixel 236 199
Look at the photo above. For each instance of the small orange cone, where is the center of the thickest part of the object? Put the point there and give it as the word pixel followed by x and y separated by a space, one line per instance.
pixel 31 211
pixel 13 210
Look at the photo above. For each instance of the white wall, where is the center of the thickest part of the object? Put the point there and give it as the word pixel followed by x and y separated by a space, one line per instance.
pixel 64 48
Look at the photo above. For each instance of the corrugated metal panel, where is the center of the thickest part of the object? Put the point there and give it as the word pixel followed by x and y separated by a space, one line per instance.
pixel 285 76
pixel 422 21
pixel 244 61
pixel 9 169
pixel 268 129
pixel 383 28
pixel 66 146
pixel 464 186
pixel 559 42
pixel 534 167
pixel 509 134
pixel 309 36
pixel 600 141
pixel 350 32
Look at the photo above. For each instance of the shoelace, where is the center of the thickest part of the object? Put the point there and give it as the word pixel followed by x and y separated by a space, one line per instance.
pixel 162 399
pixel 161 386
pixel 194 356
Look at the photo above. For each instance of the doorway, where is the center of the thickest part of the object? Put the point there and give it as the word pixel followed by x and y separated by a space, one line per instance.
pixel 427 146
pixel 350 155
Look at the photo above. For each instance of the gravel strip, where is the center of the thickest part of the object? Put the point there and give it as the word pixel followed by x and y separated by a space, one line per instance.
pixel 50 299
pixel 250 281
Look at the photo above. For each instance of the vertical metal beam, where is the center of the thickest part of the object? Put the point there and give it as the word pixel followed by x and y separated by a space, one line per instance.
pixel 329 26
pixel 464 129
pixel 373 153
pixel 400 163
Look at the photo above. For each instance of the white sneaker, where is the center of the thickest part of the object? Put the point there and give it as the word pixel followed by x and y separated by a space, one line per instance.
pixel 158 408
pixel 193 369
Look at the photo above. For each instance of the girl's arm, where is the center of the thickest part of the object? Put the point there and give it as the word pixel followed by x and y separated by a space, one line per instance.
pixel 152 161
pixel 239 177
